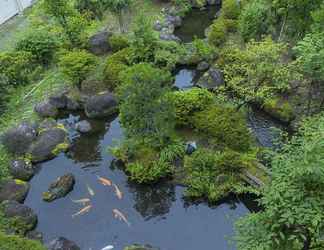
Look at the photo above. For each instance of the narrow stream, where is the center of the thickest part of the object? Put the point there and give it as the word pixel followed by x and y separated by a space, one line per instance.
pixel 158 214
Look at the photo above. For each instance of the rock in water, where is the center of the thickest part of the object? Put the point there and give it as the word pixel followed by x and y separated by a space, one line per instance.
pixel 13 190
pixel 62 243
pixel 49 144
pixel 24 217
pixel 101 105
pixel 98 43
pixel 46 109
pixel 83 126
pixel 17 140
pixel 60 188
pixel 22 169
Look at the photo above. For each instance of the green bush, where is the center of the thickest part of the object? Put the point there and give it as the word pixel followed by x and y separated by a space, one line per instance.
pixel 223 127
pixel 115 64
pixel 12 242
pixel 76 65
pixel 118 42
pixel 212 174
pixel 217 33
pixel 41 44
pixel 230 9
pixel 253 21
pixel 186 103
pixel 167 54
pixel 16 67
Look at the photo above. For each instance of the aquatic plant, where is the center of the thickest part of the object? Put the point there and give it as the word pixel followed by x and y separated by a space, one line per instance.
pixel 13 242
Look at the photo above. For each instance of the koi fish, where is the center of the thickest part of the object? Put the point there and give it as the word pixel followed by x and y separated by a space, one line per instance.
pixel 109 247
pixel 90 190
pixel 118 193
pixel 82 201
pixel 104 181
pixel 82 211
pixel 119 215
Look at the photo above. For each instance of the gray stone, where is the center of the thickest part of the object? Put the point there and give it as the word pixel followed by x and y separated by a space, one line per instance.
pixel 62 243
pixel 25 216
pixel 169 37
pixel 83 126
pixel 17 140
pixel 13 190
pixel 176 21
pixel 101 105
pixel 49 144
pixel 46 109
pixel 212 79
pixel 60 188
pixel 59 101
pixel 22 169
pixel 191 147
pixel 203 66
pixel 72 105
pixel 157 26
pixel 98 43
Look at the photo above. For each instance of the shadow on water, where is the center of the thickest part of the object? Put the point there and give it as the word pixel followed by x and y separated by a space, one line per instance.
pixel 186 77
pixel 195 23
pixel 158 214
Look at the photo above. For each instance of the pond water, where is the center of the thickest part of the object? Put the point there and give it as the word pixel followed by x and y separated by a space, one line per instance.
pixel 158 215
pixel 186 77
pixel 195 23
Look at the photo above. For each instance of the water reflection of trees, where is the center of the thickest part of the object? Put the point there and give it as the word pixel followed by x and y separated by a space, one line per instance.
pixel 153 201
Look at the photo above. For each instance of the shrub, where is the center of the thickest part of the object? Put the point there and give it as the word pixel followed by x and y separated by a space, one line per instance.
pixel 16 67
pixel 230 9
pixel 186 103
pixel 217 33
pixel 12 242
pixel 92 8
pixel 203 50
pixel 76 65
pixel 223 127
pixel 116 64
pixel 167 54
pixel 212 174
pixel 118 42
pixel 41 44
pixel 253 21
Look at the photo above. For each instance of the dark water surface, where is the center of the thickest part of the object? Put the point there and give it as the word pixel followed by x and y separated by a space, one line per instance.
pixel 186 77
pixel 158 214
pixel 195 23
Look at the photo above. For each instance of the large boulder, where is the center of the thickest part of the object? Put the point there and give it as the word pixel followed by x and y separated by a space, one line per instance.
pixel 60 188
pixel 83 126
pixel 140 247
pixel 101 105
pixel 62 243
pixel 46 109
pixel 22 169
pixel 17 140
pixel 98 43
pixel 13 190
pixel 49 144
pixel 59 101
pixel 176 21
pixel 212 79
pixel 24 217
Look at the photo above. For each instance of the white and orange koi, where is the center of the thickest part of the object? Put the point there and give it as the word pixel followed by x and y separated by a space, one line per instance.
pixel 82 211
pixel 104 181
pixel 118 193
pixel 119 215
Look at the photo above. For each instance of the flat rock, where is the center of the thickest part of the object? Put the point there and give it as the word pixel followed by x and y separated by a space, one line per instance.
pixel 101 105
pixel 24 216
pixel 49 144
pixel 60 188
pixel 22 169
pixel 13 190
pixel 62 243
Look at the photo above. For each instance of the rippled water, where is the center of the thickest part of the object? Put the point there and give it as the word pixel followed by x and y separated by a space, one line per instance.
pixel 158 214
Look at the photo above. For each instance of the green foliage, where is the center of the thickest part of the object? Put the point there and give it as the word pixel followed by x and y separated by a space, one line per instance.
pixel 15 67
pixel 76 65
pixel 281 109
pixel 41 44
pixel 118 7
pixel 12 242
pixel 167 54
pixel 230 9
pixel 253 21
pixel 118 42
pixel 203 50
pixel 223 127
pixel 294 200
pixel 217 33
pixel 92 8
pixel 187 103
pixel 145 111
pixel 258 72
pixel 212 174
pixel 115 64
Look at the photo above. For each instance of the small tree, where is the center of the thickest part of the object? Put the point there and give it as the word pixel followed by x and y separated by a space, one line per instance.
pixel 76 65
pixel 118 7
pixel 145 112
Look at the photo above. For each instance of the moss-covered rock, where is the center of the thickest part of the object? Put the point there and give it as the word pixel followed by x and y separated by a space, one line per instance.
pixel 140 247
pixel 13 242
pixel 16 190
pixel 60 188
pixel 279 109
